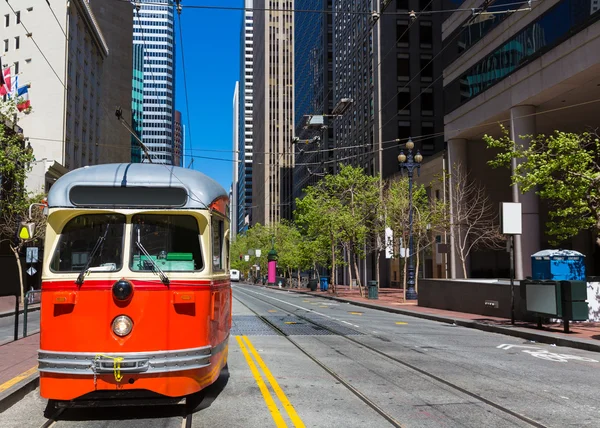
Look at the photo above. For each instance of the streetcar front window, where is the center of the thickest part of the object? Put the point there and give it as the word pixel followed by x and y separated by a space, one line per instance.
pixel 172 242
pixel 94 241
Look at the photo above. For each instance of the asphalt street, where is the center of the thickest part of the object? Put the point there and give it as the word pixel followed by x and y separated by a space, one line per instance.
pixel 330 364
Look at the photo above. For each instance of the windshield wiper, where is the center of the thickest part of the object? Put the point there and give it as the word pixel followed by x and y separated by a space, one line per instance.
pixel 99 244
pixel 165 280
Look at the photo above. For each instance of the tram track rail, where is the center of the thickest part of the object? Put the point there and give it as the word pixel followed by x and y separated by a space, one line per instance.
pixel 365 399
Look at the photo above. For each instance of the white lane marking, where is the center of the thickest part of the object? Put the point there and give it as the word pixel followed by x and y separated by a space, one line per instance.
pixel 536 351
pixel 300 307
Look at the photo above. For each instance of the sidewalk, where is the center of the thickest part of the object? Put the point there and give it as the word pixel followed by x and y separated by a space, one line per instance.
pixel 18 369
pixel 583 335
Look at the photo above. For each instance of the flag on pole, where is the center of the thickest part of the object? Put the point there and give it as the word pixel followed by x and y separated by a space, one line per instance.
pixel 23 102
pixel 14 92
pixel 6 86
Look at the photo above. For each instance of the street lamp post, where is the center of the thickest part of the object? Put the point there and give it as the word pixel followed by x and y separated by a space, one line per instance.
pixel 410 163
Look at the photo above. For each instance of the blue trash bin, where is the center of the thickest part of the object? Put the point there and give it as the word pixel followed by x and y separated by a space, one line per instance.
pixel 324 283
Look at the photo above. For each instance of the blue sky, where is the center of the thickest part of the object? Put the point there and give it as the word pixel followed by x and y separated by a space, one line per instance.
pixel 211 41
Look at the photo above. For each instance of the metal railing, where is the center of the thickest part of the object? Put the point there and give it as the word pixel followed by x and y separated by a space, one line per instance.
pixel 31 297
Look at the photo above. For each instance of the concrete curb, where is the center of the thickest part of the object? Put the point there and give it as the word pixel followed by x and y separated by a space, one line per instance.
pixel 12 313
pixel 508 331
pixel 15 393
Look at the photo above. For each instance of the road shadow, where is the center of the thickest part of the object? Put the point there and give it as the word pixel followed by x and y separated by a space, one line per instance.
pixel 149 407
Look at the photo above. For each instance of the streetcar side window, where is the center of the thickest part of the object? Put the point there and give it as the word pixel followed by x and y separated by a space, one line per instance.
pixel 93 238
pixel 169 241
pixel 218 230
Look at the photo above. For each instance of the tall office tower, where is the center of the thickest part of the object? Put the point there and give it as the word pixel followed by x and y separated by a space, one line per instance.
pixel 153 23
pixel 389 69
pixel 273 115
pixel 137 102
pixel 115 20
pixel 59 52
pixel 244 191
pixel 313 64
pixel 178 141
pixel 234 200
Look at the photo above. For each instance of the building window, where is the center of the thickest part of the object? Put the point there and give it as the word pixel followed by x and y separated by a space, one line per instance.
pixel 427 102
pixel 6 45
pixel 425 4
pixel 426 68
pixel 428 133
pixel 403 67
pixel 403 131
pixel 425 34
pixel 403 101
pixel 402 33
pixel 17 42
pixel 402 4
pixel 16 67
pixel 18 13
pixel 6 20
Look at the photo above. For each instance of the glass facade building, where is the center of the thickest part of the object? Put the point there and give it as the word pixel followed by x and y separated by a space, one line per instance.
pixel 153 30
pixel 137 101
pixel 245 111
pixel 553 27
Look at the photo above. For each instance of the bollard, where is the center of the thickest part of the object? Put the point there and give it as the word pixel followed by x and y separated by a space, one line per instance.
pixel 25 305
pixel 16 317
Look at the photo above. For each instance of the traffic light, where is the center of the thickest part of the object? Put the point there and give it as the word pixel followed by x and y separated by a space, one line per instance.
pixel 26 230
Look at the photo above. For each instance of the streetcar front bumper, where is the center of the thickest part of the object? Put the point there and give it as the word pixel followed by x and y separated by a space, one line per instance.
pixel 89 363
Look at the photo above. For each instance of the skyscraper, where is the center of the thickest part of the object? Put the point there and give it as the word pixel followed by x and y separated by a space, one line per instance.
pixel 234 199
pixel 137 101
pixel 245 143
pixel 273 111
pixel 153 29
pixel 313 64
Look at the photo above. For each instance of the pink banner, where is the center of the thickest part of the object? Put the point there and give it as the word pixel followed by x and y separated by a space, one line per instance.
pixel 272 271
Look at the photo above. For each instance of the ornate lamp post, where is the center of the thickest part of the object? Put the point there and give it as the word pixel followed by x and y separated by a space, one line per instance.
pixel 410 163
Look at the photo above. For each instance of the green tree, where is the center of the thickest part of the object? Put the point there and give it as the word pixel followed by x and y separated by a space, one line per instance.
pixel 15 163
pixel 562 168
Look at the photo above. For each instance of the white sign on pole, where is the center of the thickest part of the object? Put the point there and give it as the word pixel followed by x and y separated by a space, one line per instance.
pixel 510 213
pixel 389 243
pixel 31 271
pixel 247 257
pixel 258 253
pixel 32 255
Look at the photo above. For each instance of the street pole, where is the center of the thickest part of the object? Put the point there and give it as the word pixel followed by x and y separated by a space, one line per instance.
pixel 410 163
pixel 512 279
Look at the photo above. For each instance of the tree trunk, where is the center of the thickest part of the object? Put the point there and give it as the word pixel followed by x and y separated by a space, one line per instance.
pixel 358 282
pixel 417 271
pixel 463 261
pixel 332 265
pixel 404 279
pixel 15 251
pixel 349 258
pixel 377 268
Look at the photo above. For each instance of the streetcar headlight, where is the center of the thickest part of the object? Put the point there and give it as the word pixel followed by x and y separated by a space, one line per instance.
pixel 122 325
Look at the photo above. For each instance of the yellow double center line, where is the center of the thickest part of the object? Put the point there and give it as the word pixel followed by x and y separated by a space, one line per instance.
pixel 275 413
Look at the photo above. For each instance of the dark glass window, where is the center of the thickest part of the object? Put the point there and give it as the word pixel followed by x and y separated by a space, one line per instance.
pixel 403 67
pixel 403 131
pixel 427 102
pixel 426 34
pixel 217 244
pixel 171 241
pixel 425 4
pixel 402 33
pixel 426 68
pixel 402 4
pixel 403 101
pixel 79 237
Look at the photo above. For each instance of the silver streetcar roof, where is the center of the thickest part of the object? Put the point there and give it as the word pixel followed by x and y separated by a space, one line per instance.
pixel 134 185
